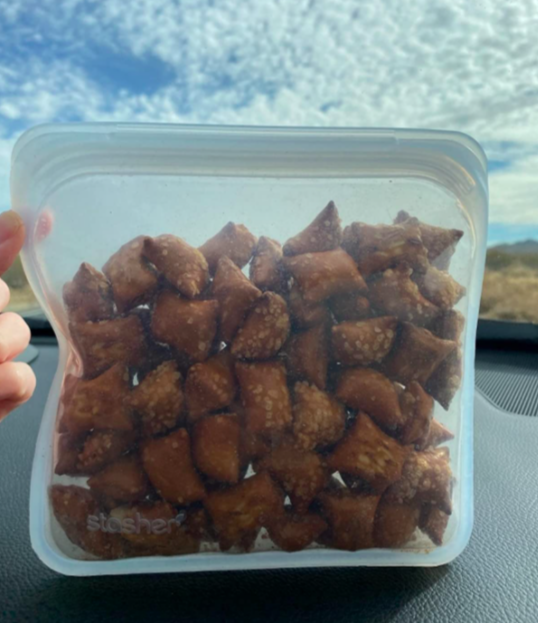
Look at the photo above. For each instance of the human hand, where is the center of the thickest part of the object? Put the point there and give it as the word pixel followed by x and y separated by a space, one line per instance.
pixel 17 380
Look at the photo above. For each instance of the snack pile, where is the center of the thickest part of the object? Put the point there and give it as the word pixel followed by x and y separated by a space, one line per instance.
pixel 292 407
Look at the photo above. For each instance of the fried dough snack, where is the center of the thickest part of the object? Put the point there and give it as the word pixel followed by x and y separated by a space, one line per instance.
pixel 264 330
pixel 426 479
pixel 210 386
pixel 187 326
pixel 88 296
pixel 301 473
pixel 440 288
pixel 122 481
pixel 395 523
pixel 291 408
pixel 104 343
pixel 266 266
pixel 323 234
pixel 352 306
pixel 216 447
pixel 236 296
pixel 394 293
pixel 440 243
pixel 158 399
pixel 98 403
pixel 308 355
pixel 100 448
pixel 240 511
pixel 72 506
pixel 318 419
pixel 305 314
pixel 183 266
pixel 172 537
pixel 367 452
pixel 293 532
pixel 378 247
pixel 168 464
pixel 368 390
pixel 232 241
pixel 265 396
pixel 351 518
pixel 323 275
pixel 363 342
pixel 132 278
pixel 417 355
pixel 433 522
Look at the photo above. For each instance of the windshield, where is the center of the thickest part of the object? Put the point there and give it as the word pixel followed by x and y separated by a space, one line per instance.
pixel 449 65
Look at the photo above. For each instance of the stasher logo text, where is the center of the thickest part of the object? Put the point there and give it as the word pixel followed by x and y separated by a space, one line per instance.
pixel 135 524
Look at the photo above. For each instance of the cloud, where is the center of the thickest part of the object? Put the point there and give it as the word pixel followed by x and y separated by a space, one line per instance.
pixel 446 64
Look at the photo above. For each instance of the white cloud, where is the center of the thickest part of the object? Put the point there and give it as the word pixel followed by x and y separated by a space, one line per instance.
pixel 448 64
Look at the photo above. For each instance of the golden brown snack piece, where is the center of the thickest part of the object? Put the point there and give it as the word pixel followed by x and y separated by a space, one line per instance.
pixel 121 481
pixel 446 379
pixel 367 452
pixel 363 342
pixel 265 396
pixel 107 342
pixel 367 390
pixel 304 314
pixel 77 511
pixel 265 329
pixel 216 447
pixel 351 518
pixel 416 355
pixel 321 276
pixel 98 403
pixel 67 450
pixel 235 294
pixel 437 434
pixel 102 447
pixel 232 241
pixel 351 306
pixel 394 293
pixel 168 464
pixel 88 296
pixel 378 247
pixel 440 243
pixel 183 266
pixel 323 234
pixel 158 399
pixel 433 522
pixel 293 532
pixel 301 473
pixel 154 529
pixel 318 419
pixel 187 326
pixel 240 511
pixel 210 386
pixel 449 325
pixel 440 288
pixel 395 523
pixel 417 410
pixel 308 355
pixel 133 280
pixel 252 446
pixel 426 479
pixel 266 266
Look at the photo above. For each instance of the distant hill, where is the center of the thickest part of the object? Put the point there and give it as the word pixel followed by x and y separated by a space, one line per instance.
pixel 519 253
pixel 518 248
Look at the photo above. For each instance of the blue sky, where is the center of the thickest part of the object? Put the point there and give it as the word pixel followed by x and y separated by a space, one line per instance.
pixel 446 64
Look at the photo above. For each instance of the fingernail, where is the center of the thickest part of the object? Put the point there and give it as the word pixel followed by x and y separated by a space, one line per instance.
pixel 10 223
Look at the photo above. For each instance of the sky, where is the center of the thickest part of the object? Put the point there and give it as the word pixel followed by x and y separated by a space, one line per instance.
pixel 463 65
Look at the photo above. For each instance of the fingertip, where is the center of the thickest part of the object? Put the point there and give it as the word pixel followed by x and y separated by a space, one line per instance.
pixel 5 295
pixel 17 382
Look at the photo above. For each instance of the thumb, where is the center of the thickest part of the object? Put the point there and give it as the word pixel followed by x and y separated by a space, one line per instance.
pixel 12 234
